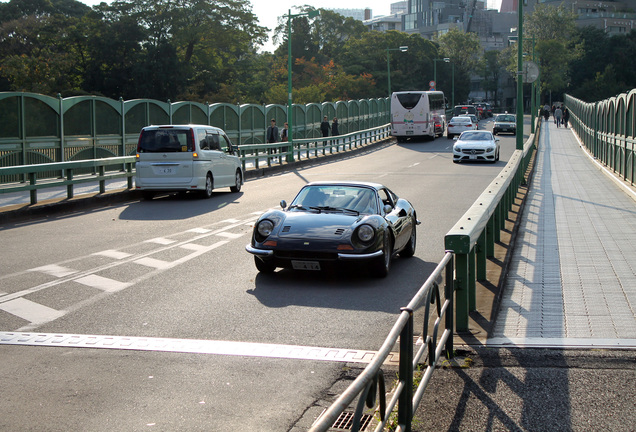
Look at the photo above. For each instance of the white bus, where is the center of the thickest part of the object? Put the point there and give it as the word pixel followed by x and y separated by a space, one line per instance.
pixel 417 114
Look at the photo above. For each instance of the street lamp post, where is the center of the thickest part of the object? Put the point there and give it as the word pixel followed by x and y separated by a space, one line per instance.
pixel 445 60
pixel 519 144
pixel 388 62
pixel 290 114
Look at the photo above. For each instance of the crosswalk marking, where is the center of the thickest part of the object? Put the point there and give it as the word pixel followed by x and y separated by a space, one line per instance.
pixel 30 311
pixel 54 270
pixel 102 283
pixel 161 241
pixel 152 262
pixel 113 254
pixel 200 230
pixel 229 235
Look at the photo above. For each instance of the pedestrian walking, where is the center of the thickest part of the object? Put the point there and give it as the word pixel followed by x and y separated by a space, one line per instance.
pixel 566 116
pixel 334 127
pixel 284 135
pixel 557 116
pixel 272 132
pixel 553 109
pixel 324 127
pixel 546 112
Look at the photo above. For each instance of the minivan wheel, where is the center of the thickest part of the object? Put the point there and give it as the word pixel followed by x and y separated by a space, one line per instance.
pixel 237 182
pixel 209 186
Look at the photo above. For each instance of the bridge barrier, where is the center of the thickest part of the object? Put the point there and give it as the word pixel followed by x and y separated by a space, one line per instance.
pixel 99 170
pixel 473 237
pixel 38 129
pixel 468 245
pixel 607 129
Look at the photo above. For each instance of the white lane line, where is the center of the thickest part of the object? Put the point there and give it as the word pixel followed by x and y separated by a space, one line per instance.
pixel 200 230
pixel 161 241
pixel 33 312
pixel 196 346
pixel 113 254
pixel 154 263
pixel 102 283
pixel 193 246
pixel 54 270
pixel 229 235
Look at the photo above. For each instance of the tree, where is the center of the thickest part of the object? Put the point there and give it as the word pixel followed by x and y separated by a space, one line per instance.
pixel 463 50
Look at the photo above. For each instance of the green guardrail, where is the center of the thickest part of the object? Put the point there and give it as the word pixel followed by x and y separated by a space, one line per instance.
pixel 66 175
pixel 473 237
pixel 300 149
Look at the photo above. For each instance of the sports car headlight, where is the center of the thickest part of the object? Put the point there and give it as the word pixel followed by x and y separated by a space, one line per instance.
pixel 265 227
pixel 365 233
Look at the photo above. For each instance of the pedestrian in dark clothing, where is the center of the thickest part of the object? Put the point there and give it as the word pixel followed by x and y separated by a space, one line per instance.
pixel 324 127
pixel 566 116
pixel 272 132
pixel 285 133
pixel 558 114
pixel 334 127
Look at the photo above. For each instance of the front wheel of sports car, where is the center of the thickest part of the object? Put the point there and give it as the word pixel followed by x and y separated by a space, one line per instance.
pixel 264 266
pixel 409 249
pixel 383 265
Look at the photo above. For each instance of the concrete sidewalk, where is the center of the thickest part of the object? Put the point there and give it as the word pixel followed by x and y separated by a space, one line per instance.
pixel 560 350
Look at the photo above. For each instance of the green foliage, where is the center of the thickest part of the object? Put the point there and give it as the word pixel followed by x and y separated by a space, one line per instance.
pixel 464 51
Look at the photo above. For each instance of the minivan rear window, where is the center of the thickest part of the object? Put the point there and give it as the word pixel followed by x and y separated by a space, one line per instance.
pixel 165 140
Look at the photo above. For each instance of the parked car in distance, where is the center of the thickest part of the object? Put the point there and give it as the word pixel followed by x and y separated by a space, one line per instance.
pixel 459 124
pixel 186 158
pixel 505 123
pixel 476 146
pixel 332 222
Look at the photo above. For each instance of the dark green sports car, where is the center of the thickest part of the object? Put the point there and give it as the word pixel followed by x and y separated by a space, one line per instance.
pixel 330 223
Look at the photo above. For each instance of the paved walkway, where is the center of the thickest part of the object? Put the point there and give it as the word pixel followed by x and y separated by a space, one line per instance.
pixel 572 278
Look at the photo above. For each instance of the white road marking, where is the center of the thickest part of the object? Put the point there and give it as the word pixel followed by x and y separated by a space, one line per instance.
pixel 54 270
pixel 232 348
pixel 229 235
pixel 152 262
pixel 161 241
pixel 193 246
pixel 113 254
pixel 102 283
pixel 200 230
pixel 31 311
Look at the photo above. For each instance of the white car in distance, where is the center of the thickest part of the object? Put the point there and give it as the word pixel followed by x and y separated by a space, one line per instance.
pixel 459 124
pixel 476 146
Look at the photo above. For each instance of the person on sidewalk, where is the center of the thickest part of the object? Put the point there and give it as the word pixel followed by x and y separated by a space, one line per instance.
pixel 324 127
pixel 557 116
pixel 566 116
pixel 334 127
pixel 272 132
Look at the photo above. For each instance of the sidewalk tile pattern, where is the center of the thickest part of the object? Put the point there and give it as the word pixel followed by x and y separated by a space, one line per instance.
pixel 572 278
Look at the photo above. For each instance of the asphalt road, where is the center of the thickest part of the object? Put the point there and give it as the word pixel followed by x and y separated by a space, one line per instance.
pixel 175 267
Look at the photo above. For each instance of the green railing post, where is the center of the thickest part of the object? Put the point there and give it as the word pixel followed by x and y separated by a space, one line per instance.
pixel 405 404
pixel 33 192
pixel 472 281
pixel 462 296
pixel 482 260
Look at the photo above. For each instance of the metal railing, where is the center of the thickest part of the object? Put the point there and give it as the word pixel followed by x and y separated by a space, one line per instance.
pixel 473 237
pixel 607 129
pixel 64 173
pixel 47 175
pixel 371 384
pixel 469 243
pixel 300 149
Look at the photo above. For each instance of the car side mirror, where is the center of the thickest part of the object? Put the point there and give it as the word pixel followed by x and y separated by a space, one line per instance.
pixel 497 139
pixel 283 204
pixel 455 138
pixel 387 208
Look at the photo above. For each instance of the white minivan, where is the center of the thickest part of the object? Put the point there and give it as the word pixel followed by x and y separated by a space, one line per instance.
pixel 186 158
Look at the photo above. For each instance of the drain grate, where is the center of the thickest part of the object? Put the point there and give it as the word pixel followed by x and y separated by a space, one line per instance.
pixel 344 422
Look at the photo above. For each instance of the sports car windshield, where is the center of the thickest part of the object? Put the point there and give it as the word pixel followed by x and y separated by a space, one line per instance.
pixel 476 136
pixel 336 198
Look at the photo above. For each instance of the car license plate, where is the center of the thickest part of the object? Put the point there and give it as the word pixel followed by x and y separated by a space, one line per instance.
pixel 472 156
pixel 305 265
pixel 409 132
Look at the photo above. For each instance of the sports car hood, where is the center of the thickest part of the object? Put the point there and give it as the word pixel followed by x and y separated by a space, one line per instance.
pixel 326 225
